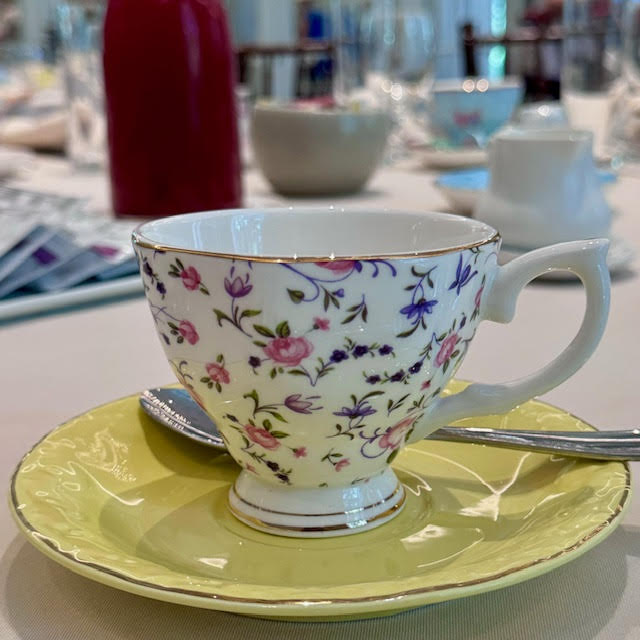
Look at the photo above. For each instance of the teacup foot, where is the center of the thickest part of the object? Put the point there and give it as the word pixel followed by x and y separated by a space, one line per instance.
pixel 316 512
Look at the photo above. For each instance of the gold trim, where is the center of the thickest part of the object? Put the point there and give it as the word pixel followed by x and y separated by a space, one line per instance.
pixel 39 541
pixel 332 527
pixel 314 515
pixel 140 241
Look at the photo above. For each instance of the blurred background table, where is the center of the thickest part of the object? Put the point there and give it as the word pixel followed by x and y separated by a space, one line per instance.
pixel 60 365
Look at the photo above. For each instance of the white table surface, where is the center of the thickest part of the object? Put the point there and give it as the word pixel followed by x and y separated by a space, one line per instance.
pixel 58 366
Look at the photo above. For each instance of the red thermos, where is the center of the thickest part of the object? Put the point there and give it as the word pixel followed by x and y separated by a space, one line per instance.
pixel 170 102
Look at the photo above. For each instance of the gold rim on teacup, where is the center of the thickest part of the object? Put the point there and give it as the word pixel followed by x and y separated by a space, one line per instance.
pixel 139 240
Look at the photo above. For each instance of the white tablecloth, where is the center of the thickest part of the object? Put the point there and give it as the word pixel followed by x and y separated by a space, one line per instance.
pixel 58 366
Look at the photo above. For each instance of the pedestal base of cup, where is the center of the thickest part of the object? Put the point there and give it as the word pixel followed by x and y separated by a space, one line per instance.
pixel 316 512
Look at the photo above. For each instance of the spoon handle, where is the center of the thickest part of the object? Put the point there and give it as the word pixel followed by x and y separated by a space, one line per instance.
pixel 174 408
pixel 596 445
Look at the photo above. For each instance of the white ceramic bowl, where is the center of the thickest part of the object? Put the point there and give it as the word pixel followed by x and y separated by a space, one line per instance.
pixel 318 152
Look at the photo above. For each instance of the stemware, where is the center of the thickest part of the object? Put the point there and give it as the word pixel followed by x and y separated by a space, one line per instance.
pixel 591 76
pixel 80 29
pixel 624 130
pixel 399 51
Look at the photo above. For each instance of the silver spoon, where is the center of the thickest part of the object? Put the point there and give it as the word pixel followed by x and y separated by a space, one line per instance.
pixel 174 408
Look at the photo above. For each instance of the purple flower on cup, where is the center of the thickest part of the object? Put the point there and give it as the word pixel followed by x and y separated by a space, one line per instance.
pixel 296 403
pixel 463 276
pixel 374 379
pixel 416 310
pixel 360 410
pixel 415 368
pixel 360 350
pixel 238 288
pixel 338 356
pixel 385 350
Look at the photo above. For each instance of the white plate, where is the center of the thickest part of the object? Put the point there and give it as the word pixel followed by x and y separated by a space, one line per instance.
pixel 13 161
pixel 82 294
pixel 621 255
pixel 462 188
pixel 433 158
pixel 462 201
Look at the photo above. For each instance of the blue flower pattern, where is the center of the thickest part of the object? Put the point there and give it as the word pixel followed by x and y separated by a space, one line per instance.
pixel 463 276
pixel 397 387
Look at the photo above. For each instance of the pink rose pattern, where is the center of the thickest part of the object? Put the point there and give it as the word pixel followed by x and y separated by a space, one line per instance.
pixel 190 278
pixel 288 351
pixel 394 436
pixel 280 350
pixel 338 266
pixel 189 275
pixel 218 373
pixel 337 460
pixel 447 348
pixel 188 332
pixel 322 323
pixel 261 437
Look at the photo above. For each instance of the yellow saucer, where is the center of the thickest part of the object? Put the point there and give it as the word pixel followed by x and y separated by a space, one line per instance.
pixel 119 499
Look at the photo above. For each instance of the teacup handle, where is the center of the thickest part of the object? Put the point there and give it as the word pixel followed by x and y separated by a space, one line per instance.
pixel 588 260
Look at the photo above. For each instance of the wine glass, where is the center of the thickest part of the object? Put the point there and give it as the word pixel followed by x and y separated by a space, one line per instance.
pixel 624 123
pixel 591 69
pixel 399 50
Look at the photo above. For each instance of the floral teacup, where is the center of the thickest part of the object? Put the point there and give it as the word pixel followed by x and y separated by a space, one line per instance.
pixel 319 341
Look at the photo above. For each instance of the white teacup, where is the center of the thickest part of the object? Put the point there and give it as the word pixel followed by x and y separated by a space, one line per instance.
pixel 466 111
pixel 320 340
pixel 544 188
